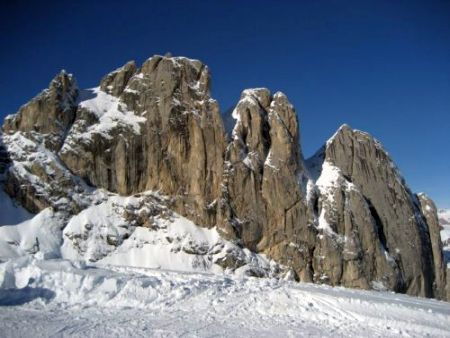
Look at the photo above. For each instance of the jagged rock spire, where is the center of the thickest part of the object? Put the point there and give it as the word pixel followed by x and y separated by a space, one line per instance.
pixel 115 82
pixel 162 132
pixel 51 112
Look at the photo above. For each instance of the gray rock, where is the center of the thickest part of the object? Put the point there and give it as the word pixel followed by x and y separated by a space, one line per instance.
pixel 50 113
pixel 263 205
pixel 178 149
pixel 402 229
pixel 115 82
pixel 429 211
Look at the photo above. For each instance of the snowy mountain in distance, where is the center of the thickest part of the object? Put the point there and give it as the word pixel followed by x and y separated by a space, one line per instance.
pixel 444 221
pixel 444 217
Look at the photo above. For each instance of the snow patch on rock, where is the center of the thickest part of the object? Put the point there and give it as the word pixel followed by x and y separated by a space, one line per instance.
pixel 110 111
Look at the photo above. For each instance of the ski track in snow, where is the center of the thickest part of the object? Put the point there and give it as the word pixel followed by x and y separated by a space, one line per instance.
pixel 61 298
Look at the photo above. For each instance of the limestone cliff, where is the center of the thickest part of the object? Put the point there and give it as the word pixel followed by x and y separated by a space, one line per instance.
pixel 343 217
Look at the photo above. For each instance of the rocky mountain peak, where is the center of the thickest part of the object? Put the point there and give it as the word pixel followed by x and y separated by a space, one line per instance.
pixel 165 74
pixel 263 123
pixel 344 217
pixel 63 82
pixel 115 82
pixel 367 173
pixel 50 114
pixel 429 211
pixel 155 127
pixel 175 75
pixel 264 158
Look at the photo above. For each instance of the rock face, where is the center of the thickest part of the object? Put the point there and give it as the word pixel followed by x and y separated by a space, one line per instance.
pixel 157 129
pixel 372 198
pixel 50 113
pixel 343 217
pixel 265 206
pixel 429 210
pixel 31 138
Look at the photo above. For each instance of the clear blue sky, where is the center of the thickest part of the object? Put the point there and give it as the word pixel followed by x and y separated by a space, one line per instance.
pixel 380 66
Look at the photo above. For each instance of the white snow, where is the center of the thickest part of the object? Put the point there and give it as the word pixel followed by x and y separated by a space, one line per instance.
pixel 132 289
pixel 252 92
pixel 269 162
pixel 444 221
pixel 329 178
pixel 55 298
pixel 248 98
pixel 89 229
pixel 110 111
pixel 102 234
pixel 41 234
pixel 132 91
pixel 323 223
pixel 165 248
pixel 236 115
pixel 444 216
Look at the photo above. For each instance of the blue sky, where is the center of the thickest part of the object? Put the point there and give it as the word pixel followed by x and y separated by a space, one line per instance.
pixel 380 66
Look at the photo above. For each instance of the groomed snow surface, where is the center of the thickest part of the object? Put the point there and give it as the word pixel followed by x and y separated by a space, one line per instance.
pixel 55 298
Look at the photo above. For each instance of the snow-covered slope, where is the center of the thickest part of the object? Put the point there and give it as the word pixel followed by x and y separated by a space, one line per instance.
pixel 166 240
pixel 132 290
pixel 40 235
pixel 56 298
pixel 130 231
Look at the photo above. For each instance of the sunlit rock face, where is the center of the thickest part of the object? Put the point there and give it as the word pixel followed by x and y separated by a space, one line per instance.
pixel 402 233
pixel 153 128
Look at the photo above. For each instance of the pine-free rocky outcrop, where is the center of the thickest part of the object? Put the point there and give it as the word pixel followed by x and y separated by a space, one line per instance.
pixel 343 217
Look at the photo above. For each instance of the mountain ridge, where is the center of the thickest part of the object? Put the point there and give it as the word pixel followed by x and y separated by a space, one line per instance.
pixel 345 217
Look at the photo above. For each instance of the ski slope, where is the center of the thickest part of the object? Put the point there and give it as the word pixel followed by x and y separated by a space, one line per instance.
pixel 58 298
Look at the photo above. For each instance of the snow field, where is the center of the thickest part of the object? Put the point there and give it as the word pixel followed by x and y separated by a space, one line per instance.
pixel 78 300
